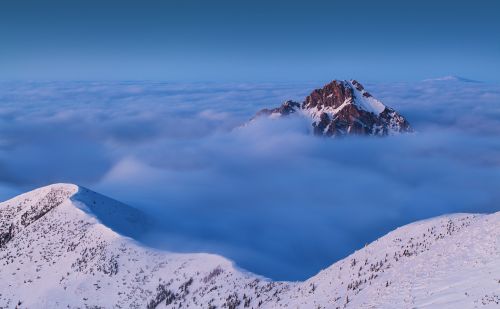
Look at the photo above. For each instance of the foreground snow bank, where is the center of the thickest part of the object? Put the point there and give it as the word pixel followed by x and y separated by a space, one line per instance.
pixel 66 246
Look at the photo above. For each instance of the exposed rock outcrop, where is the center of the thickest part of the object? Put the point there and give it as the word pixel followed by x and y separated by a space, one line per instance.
pixel 341 108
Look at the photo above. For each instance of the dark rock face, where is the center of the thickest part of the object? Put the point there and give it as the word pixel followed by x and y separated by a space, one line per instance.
pixel 322 125
pixel 342 108
pixel 351 120
pixel 332 95
pixel 6 236
pixel 285 109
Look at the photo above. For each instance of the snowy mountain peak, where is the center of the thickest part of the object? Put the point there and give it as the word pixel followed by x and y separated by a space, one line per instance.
pixel 35 204
pixel 340 93
pixel 30 207
pixel 341 108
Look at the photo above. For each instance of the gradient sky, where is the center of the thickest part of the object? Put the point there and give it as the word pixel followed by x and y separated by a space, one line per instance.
pixel 249 40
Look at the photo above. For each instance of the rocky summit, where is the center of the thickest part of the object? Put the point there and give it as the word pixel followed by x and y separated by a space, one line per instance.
pixel 342 108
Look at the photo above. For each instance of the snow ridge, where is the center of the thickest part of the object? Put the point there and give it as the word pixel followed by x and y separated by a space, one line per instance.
pixel 59 247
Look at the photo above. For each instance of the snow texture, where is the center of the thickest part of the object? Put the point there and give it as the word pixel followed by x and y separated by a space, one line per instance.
pixel 65 246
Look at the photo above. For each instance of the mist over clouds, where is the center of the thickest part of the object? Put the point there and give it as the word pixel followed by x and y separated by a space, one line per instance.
pixel 277 200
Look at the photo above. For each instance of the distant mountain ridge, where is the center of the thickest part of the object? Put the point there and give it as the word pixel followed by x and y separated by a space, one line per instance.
pixel 451 78
pixel 57 251
pixel 343 108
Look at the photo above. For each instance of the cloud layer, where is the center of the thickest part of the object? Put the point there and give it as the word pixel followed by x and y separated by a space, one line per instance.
pixel 277 200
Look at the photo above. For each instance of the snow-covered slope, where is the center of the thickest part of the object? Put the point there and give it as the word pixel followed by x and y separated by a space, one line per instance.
pixel 64 246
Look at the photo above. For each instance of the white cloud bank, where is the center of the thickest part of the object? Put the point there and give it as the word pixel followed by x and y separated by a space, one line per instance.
pixel 277 200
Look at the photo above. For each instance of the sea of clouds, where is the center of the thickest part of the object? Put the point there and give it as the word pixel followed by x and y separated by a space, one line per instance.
pixel 272 197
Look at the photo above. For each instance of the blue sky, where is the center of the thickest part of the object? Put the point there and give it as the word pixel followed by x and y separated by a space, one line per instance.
pixel 248 40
